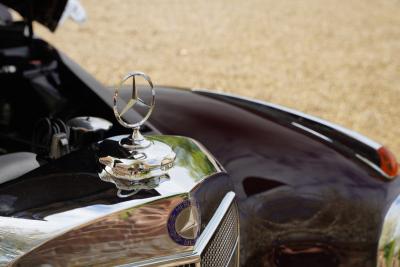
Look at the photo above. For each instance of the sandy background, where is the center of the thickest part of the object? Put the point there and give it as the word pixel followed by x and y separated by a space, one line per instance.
pixel 336 59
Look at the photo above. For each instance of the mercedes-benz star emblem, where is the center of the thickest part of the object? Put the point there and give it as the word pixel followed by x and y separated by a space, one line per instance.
pixel 184 223
pixel 136 140
pixel 135 162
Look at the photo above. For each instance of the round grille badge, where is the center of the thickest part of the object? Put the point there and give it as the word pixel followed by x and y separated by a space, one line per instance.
pixel 184 224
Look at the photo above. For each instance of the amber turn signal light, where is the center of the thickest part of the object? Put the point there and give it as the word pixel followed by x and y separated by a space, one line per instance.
pixel 388 162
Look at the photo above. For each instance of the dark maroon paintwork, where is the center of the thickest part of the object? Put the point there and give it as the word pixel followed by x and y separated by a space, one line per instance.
pixel 303 201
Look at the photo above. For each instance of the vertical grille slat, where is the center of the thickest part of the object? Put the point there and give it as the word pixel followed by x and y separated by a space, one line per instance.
pixel 220 251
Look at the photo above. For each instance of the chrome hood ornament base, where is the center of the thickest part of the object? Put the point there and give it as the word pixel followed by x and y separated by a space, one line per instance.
pixel 137 162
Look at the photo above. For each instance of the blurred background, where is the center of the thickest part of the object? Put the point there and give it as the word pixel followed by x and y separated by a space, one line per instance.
pixel 335 59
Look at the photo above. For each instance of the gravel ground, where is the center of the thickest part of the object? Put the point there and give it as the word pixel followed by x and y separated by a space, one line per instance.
pixel 336 59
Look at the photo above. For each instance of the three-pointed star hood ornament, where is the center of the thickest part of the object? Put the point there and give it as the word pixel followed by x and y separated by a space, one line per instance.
pixel 136 140
pixel 135 162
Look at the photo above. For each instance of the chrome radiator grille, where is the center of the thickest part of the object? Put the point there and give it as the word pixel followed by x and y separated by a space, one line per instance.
pixel 221 248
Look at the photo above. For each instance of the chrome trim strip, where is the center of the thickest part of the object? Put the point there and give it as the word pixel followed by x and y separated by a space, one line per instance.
pixel 304 128
pixel 363 159
pixel 373 166
pixel 171 261
pixel 233 252
pixel 332 125
pixel 214 222
pixel 193 257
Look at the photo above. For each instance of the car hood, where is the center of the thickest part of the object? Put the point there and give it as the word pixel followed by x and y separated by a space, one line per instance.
pixel 46 12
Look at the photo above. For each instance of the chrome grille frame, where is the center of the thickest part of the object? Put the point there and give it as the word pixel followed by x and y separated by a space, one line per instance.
pixel 222 246
pixel 194 258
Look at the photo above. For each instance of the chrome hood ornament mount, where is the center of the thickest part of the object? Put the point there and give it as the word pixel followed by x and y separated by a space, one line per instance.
pixel 135 162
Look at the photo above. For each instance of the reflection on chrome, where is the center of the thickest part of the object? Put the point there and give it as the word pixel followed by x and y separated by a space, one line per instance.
pixel 193 164
pixel 129 235
pixel 209 249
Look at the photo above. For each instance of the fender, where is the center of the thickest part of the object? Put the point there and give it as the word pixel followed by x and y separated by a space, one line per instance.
pixel 311 191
